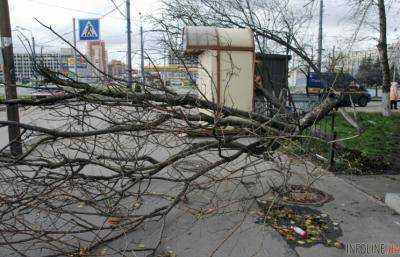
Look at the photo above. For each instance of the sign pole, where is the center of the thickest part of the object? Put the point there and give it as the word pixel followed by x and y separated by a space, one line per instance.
pixel 321 14
pixel 129 42
pixel 89 30
pixel 6 47
pixel 76 61
pixel 142 56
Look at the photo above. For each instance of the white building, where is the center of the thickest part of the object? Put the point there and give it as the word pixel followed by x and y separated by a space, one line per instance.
pixel 60 62
pixel 24 64
pixel 353 60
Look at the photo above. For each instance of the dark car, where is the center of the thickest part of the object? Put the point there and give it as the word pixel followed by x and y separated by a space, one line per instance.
pixel 355 94
pixel 350 90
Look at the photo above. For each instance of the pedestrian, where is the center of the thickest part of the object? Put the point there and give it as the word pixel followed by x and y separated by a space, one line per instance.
pixel 394 96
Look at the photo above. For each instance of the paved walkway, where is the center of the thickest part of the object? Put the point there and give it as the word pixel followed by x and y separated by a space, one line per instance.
pixel 231 231
pixel 374 106
pixel 362 217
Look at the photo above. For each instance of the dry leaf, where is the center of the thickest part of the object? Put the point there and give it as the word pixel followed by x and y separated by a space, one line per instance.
pixel 339 244
pixel 140 247
pixel 137 205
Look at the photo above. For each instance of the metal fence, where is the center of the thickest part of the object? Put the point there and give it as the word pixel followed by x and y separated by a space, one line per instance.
pixel 324 130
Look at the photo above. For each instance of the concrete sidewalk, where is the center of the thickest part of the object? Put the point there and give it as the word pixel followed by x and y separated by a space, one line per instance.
pixel 374 106
pixel 231 230
pixel 362 217
pixel 375 185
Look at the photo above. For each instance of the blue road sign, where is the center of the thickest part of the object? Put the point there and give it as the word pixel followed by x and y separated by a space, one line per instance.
pixel 89 29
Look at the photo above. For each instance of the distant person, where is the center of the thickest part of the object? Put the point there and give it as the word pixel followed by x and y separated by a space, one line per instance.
pixel 394 96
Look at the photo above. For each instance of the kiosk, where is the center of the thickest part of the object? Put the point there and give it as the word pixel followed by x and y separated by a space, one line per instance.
pixel 226 65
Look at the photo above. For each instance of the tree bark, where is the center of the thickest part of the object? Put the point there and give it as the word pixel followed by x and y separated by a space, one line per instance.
pixel 383 55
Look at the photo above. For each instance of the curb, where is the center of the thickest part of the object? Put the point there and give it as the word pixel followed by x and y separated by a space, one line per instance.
pixel 392 200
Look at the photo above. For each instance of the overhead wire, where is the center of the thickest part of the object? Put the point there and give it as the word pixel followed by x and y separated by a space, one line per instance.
pixel 63 7
pixel 119 10
pixel 70 32
pixel 101 16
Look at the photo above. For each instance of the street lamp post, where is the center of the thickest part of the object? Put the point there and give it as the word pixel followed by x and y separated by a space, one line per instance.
pixel 32 37
pixel 33 47
pixel 142 51
pixel 129 42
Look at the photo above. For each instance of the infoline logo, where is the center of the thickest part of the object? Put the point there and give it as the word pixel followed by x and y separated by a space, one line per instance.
pixel 365 249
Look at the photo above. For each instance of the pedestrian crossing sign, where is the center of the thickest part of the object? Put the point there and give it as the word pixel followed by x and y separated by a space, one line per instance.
pixel 89 29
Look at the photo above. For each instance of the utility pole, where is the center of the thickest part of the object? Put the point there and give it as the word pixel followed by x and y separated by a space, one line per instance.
pixel 33 46
pixel 74 52
pixel 321 14
pixel 142 55
pixel 129 52
pixel 34 58
pixel 333 66
pixel 14 133
pixel 165 63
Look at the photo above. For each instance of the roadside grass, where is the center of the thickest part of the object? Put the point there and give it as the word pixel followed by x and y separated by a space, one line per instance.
pixel 3 97
pixel 371 152
pixel 379 137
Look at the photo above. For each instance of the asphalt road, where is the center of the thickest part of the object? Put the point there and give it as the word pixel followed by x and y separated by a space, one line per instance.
pixel 232 230
pixel 30 116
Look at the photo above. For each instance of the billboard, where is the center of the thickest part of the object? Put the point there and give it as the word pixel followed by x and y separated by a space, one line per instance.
pixel 81 62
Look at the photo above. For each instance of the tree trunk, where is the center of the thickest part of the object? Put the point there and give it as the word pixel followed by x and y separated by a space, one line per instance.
pixel 383 55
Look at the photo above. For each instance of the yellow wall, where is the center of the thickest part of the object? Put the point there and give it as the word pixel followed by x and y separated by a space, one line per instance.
pixel 236 78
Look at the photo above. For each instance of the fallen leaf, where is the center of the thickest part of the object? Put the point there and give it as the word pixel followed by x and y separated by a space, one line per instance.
pixel 140 247
pixel 301 242
pixel 103 252
pixel 137 205
pixel 114 221
pixel 339 244
pixel 171 254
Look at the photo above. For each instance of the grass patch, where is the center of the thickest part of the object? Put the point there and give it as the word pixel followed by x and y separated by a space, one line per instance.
pixel 372 152
pixel 3 97
pixel 379 137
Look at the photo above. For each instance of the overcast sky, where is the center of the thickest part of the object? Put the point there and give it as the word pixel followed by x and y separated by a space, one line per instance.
pixel 59 14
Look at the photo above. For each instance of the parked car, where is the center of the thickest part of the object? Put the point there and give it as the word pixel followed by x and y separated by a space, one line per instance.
pixel 355 94
pixel 351 91
pixel 45 92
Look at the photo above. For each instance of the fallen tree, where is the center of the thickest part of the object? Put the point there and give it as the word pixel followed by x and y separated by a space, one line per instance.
pixel 103 150
pixel 104 161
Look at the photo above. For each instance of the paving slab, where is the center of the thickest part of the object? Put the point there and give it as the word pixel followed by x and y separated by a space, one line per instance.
pixel 375 185
pixel 231 231
pixel 392 200
pixel 362 218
